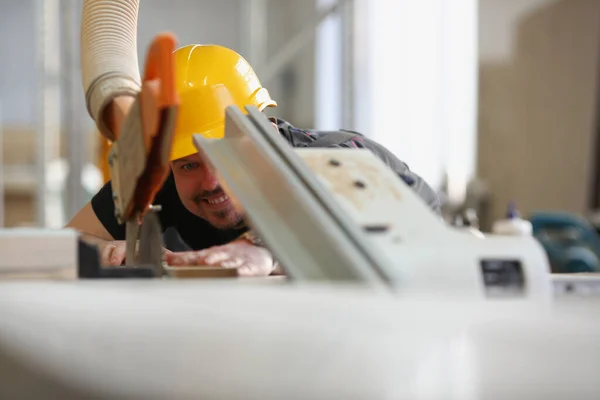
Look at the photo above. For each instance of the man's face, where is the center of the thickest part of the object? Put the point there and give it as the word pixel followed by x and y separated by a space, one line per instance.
pixel 201 193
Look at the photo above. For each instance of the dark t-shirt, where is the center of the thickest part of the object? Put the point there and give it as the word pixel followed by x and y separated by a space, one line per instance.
pixel 186 229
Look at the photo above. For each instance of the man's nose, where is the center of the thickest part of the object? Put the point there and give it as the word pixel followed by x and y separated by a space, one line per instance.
pixel 209 180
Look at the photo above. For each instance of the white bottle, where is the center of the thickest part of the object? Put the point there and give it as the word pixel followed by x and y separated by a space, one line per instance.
pixel 512 225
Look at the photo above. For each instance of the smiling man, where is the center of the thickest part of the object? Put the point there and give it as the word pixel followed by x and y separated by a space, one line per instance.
pixel 201 193
pixel 209 78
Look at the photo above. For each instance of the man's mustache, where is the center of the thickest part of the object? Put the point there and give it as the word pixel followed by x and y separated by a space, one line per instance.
pixel 205 194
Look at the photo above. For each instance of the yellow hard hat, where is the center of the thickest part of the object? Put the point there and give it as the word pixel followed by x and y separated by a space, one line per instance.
pixel 209 78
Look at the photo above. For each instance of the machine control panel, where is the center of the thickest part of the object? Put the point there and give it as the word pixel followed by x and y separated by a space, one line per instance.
pixel 503 277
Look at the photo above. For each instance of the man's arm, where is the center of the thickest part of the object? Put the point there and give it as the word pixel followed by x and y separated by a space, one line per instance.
pixel 97 226
pixel 87 223
pixel 92 231
pixel 352 139
pixel 417 183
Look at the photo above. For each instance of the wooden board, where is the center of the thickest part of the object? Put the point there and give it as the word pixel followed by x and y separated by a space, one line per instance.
pixel 201 272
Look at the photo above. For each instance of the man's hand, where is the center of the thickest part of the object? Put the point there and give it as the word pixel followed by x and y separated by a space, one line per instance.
pixel 112 253
pixel 249 260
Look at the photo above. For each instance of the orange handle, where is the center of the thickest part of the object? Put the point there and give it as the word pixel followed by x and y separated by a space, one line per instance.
pixel 160 66
pixel 157 96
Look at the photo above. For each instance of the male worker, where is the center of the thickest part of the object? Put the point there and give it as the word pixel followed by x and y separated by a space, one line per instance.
pixel 209 78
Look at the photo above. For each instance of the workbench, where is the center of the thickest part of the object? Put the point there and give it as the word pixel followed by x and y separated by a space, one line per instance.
pixel 236 339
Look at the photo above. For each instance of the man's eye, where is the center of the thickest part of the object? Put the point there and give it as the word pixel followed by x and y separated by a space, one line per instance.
pixel 189 166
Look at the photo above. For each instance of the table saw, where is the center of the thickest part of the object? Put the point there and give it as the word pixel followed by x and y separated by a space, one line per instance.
pixel 382 300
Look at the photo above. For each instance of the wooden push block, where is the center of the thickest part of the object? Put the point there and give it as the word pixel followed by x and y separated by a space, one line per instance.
pixel 201 272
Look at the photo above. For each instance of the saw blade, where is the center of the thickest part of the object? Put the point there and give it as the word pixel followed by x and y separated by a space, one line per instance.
pixel 132 229
pixel 151 245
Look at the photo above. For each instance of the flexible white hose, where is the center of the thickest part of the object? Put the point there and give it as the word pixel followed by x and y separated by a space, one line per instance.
pixel 109 62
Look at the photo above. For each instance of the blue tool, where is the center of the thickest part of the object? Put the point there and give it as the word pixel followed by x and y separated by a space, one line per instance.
pixel 571 242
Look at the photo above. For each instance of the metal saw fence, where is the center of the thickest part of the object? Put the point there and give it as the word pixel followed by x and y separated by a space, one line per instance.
pixel 309 233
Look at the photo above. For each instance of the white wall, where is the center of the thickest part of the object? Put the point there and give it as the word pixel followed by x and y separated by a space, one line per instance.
pixel 328 71
pixel 192 21
pixel 294 89
pixel 17 68
pixel 417 84
pixel 222 22
pixel 498 23
pixel 538 89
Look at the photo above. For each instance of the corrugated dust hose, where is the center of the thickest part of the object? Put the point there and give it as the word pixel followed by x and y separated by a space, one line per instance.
pixel 109 62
